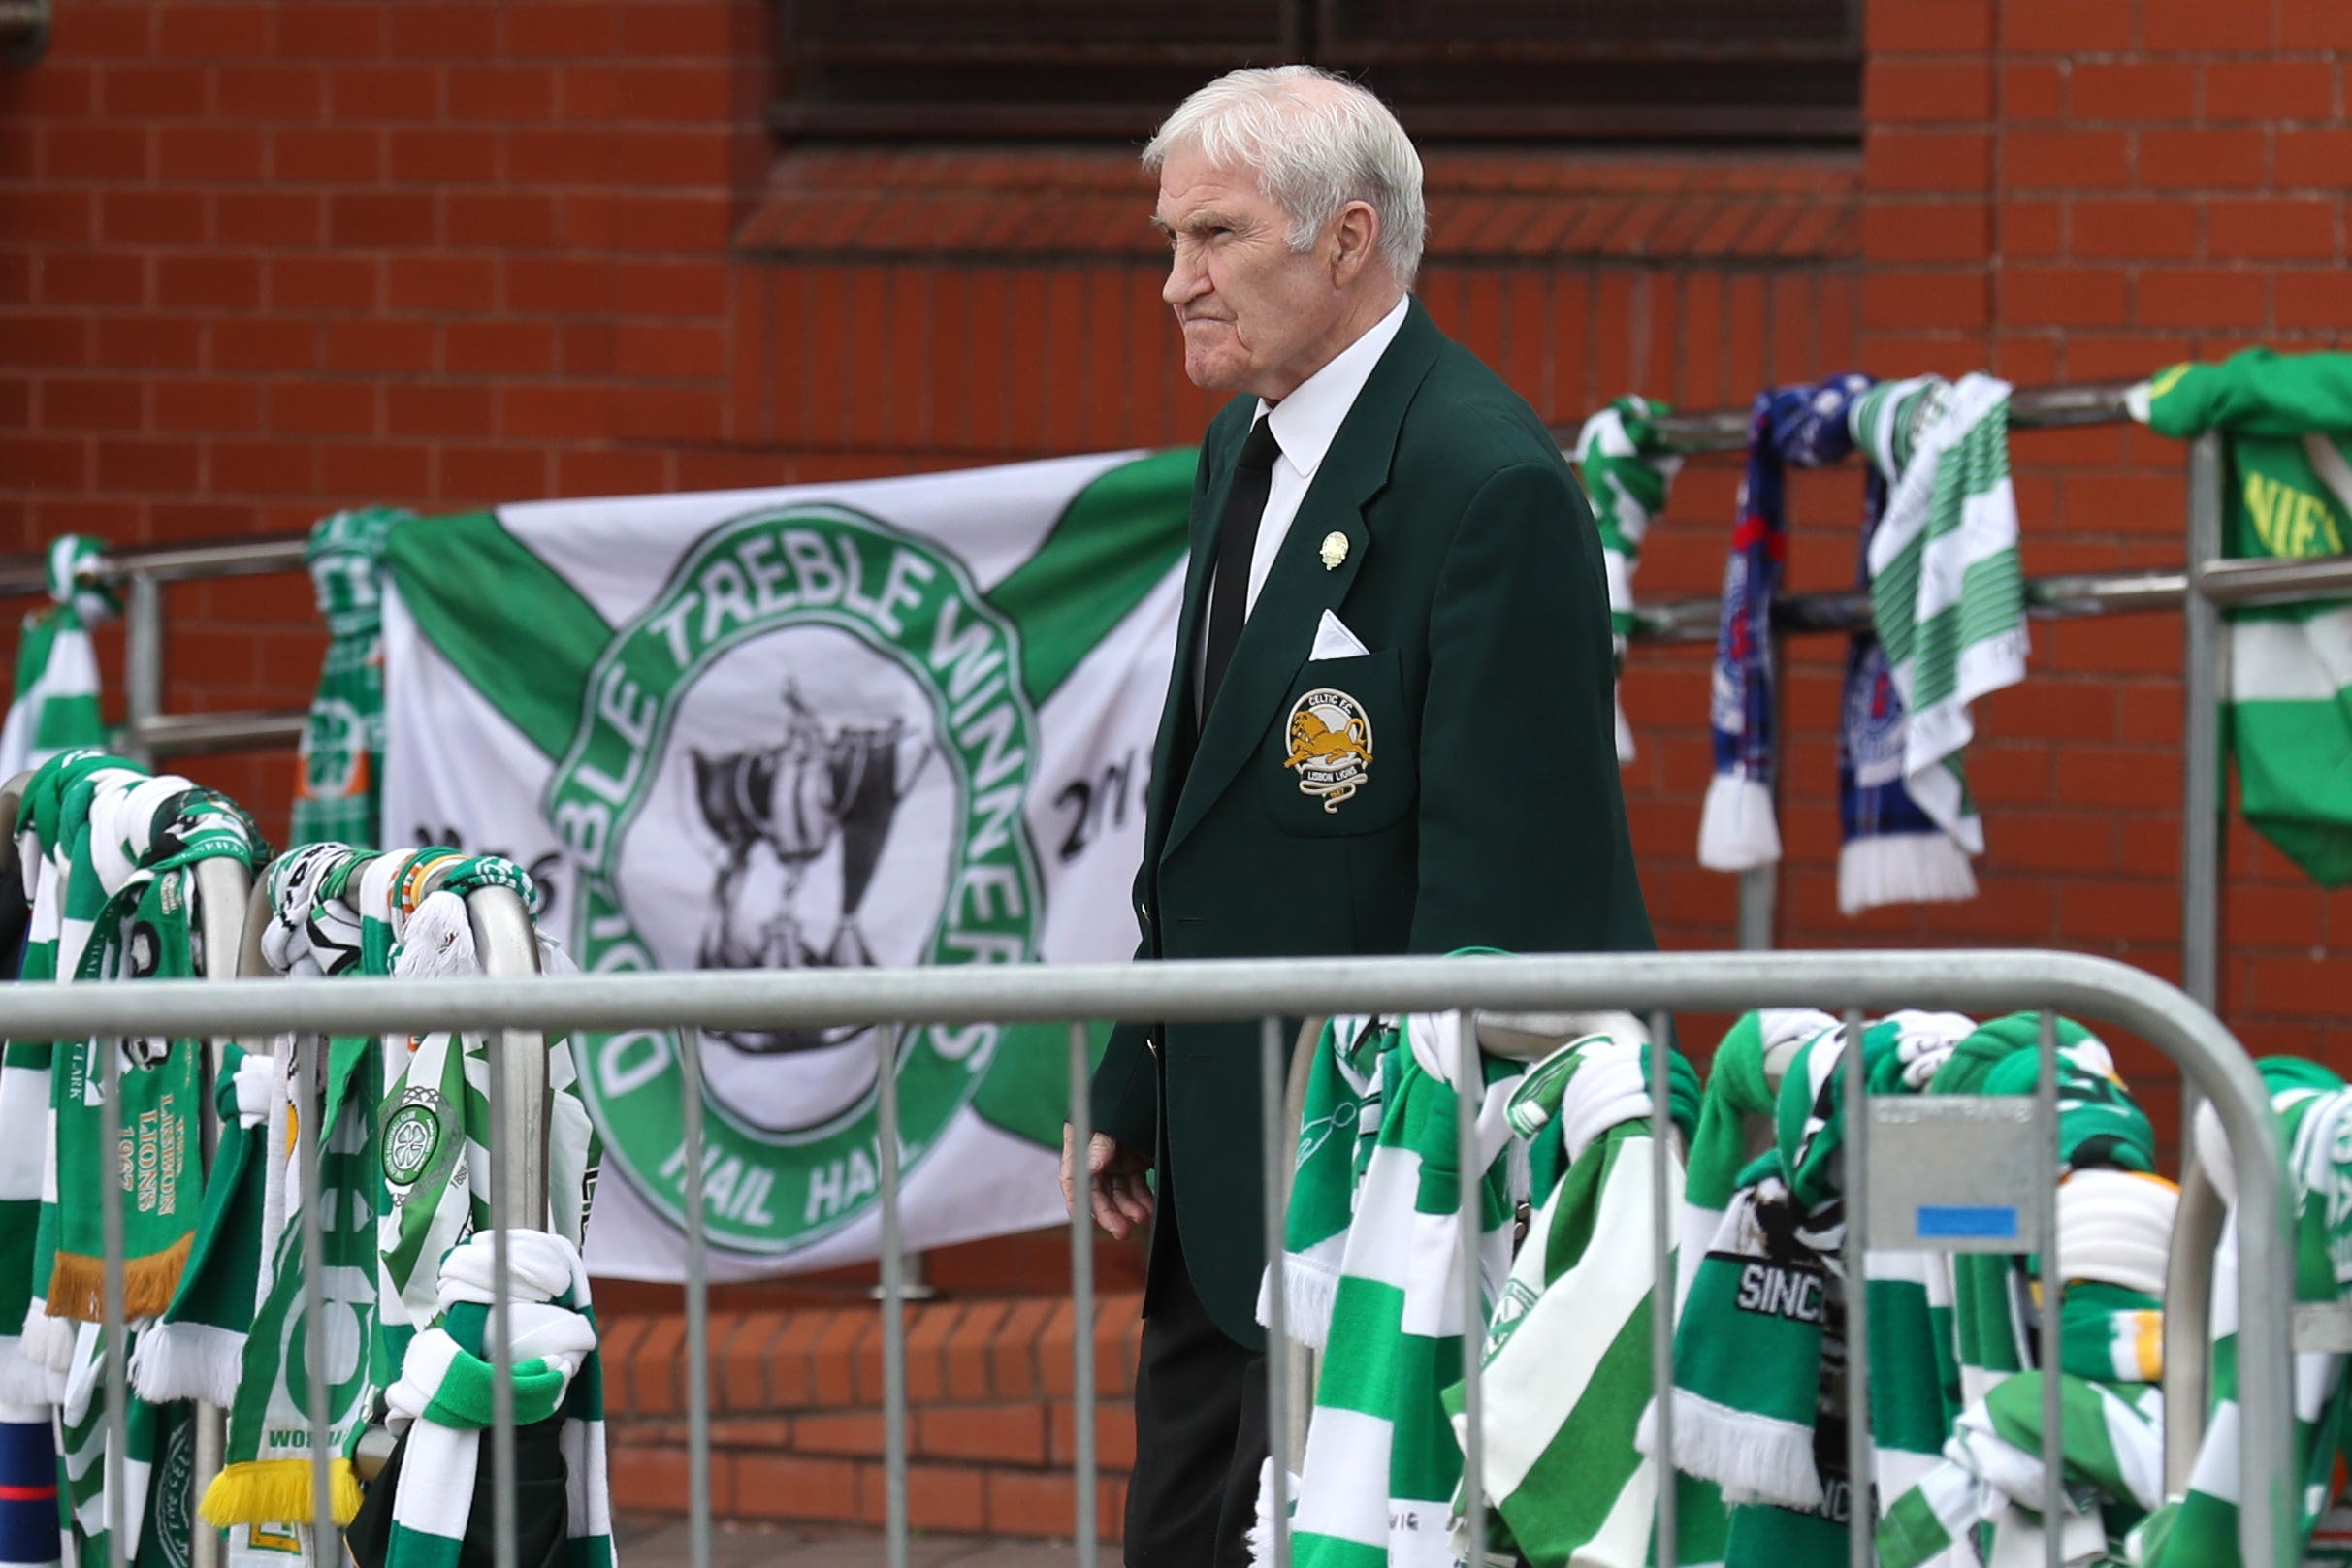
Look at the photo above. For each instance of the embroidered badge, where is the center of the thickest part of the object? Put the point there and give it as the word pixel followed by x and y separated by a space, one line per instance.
pixel 1335 550
pixel 1331 745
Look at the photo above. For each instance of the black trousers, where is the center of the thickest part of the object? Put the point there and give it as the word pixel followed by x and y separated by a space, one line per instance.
pixel 1200 1426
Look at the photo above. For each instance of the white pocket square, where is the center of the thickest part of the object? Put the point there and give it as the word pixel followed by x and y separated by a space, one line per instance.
pixel 1332 640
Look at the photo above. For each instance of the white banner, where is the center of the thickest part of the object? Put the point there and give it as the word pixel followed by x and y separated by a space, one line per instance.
pixel 901 721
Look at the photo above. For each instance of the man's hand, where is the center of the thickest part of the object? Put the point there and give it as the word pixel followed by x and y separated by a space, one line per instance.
pixel 1114 1183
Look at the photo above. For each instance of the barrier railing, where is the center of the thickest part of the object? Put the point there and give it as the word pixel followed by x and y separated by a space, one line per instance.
pixel 2200 591
pixel 1976 982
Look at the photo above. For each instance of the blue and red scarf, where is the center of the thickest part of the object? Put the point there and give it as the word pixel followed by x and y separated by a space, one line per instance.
pixel 1805 425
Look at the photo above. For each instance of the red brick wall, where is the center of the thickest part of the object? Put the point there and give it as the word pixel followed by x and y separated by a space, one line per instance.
pixel 262 258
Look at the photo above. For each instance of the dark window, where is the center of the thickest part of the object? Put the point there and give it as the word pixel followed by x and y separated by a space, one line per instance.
pixel 1652 70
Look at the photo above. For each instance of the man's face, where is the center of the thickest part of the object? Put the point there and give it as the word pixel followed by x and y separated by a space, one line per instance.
pixel 1251 309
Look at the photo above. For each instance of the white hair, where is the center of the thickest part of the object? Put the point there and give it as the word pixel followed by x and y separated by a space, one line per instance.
pixel 1316 142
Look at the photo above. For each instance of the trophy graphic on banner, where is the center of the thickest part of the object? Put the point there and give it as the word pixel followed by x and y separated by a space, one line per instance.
pixel 783 808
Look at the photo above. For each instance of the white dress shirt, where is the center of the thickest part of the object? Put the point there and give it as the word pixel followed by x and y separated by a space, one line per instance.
pixel 1304 425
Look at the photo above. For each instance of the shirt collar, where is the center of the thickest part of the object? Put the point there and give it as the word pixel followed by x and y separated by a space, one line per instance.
pixel 1306 421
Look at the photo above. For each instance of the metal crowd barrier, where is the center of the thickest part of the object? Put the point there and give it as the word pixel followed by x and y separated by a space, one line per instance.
pixel 2200 591
pixel 1648 984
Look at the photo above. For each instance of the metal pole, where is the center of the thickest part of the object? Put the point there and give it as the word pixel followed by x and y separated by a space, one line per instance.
pixel 697 1308
pixel 2202 689
pixel 2053 1289
pixel 1468 1095
pixel 894 1303
pixel 142 662
pixel 1663 1157
pixel 1082 1301
pixel 309 1188
pixel 1278 1159
pixel 1861 1542
pixel 116 1174
pixel 509 951
pixel 223 887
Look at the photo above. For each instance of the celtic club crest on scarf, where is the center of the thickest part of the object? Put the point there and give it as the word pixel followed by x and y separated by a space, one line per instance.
pixel 834 716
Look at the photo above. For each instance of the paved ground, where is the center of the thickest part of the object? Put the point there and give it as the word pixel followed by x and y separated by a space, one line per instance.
pixel 662 1544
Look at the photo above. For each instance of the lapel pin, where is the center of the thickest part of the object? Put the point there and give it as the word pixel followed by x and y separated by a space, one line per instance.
pixel 1335 550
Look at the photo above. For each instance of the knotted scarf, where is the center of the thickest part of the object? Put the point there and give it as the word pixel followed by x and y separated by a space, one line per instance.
pixel 55 706
pixel 1946 591
pixel 444 1394
pixel 1626 473
pixel 1805 425
pixel 1892 852
pixel 338 783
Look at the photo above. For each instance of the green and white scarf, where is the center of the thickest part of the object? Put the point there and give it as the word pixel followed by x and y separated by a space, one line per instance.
pixel 1378 1188
pixel 1739 1086
pixel 196 1351
pixel 2099 1128
pixel 145 838
pixel 1994 1484
pixel 158 1467
pixel 1759 1383
pixel 1946 593
pixel 267 1480
pixel 339 784
pixel 1567 1366
pixel 1627 474
pixel 444 1398
pixel 66 898
pixel 2289 422
pixel 2199 1529
pixel 55 705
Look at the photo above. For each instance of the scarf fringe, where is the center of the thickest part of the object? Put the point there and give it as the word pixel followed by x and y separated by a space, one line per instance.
pixel 1736 827
pixel 1905 868
pixel 1309 1288
pixel 1751 1457
pixel 77 1283
pixel 187 1360
pixel 270 1492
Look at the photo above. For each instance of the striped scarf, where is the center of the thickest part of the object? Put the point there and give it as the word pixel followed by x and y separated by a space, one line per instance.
pixel 1892 851
pixel 55 706
pixel 2199 1529
pixel 2289 497
pixel 68 898
pixel 1946 589
pixel 338 784
pixel 1375 1209
pixel 444 1398
pixel 1566 1366
pixel 144 836
pixel 1804 426
pixel 1626 475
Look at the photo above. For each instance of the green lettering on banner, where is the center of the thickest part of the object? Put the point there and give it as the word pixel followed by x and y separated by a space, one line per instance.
pixel 768 1189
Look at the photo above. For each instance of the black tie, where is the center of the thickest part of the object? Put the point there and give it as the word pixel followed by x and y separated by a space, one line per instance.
pixel 1253 476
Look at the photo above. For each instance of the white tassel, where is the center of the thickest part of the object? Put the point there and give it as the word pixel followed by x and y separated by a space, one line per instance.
pixel 439 941
pixel 1753 1458
pixel 1736 827
pixel 1903 867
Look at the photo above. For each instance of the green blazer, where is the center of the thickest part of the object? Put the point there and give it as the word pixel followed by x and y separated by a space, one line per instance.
pixel 1487 814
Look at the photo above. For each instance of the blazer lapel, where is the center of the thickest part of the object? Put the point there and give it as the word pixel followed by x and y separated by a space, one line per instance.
pixel 1280 632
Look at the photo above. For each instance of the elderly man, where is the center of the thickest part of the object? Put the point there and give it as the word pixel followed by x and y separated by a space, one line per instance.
pixel 1387 731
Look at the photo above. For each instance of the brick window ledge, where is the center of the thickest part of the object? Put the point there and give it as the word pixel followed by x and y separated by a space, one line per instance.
pixel 1030 205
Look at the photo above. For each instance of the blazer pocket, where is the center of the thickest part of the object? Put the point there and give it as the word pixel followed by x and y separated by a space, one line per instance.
pixel 1340 760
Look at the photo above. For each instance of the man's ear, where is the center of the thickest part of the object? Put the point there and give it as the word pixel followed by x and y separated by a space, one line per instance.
pixel 1355 239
